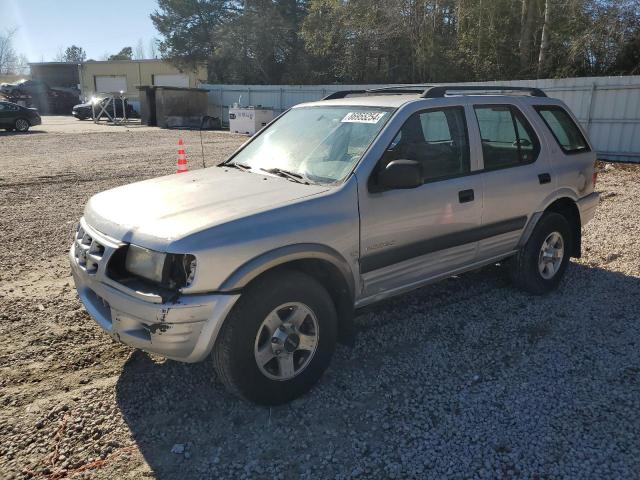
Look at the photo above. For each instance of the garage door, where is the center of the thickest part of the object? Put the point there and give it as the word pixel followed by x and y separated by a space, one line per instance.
pixel 111 83
pixel 171 80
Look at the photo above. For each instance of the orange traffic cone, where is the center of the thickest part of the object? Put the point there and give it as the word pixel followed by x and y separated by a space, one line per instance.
pixel 182 158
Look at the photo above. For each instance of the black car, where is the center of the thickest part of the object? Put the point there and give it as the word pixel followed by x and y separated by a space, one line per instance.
pixel 85 110
pixel 16 117
pixel 33 88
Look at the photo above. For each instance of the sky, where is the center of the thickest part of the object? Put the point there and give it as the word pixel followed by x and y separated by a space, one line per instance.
pixel 100 27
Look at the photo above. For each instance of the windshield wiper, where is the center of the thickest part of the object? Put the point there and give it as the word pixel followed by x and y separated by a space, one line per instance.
pixel 240 166
pixel 293 176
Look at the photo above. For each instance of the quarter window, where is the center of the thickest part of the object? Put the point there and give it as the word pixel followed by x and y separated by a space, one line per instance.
pixel 507 138
pixel 437 139
pixel 564 129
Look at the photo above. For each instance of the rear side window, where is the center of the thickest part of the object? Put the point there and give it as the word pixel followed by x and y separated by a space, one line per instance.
pixel 507 138
pixel 564 129
pixel 437 139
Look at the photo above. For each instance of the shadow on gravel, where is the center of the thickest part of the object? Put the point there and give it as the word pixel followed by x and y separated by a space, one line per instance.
pixel 4 133
pixel 376 388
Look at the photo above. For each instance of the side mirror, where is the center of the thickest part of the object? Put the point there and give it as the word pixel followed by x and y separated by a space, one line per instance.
pixel 400 174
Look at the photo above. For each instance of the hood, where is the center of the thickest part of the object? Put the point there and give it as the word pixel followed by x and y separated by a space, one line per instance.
pixel 156 212
pixel 82 105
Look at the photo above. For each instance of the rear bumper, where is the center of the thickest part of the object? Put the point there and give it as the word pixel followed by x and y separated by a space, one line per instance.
pixel 587 206
pixel 184 330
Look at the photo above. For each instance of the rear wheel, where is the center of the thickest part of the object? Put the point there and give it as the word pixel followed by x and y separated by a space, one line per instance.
pixel 22 125
pixel 540 265
pixel 278 340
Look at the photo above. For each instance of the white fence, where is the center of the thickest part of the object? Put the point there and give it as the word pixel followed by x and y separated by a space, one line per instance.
pixel 608 107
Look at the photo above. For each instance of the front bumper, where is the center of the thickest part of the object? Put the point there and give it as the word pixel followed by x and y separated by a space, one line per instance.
pixel 35 121
pixel 183 330
pixel 587 206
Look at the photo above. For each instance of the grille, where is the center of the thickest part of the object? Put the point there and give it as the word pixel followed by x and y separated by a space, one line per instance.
pixel 88 251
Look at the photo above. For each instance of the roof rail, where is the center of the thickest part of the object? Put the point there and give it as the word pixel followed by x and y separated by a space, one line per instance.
pixel 438 91
pixel 401 89
pixel 398 89
pixel 343 94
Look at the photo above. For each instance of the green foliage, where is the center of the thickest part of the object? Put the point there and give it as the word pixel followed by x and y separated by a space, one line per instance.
pixel 74 54
pixel 125 54
pixel 399 41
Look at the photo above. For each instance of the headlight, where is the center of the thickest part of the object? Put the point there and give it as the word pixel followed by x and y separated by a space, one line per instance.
pixel 146 263
pixel 169 270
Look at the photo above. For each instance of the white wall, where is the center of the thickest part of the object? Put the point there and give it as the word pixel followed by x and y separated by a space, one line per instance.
pixel 608 107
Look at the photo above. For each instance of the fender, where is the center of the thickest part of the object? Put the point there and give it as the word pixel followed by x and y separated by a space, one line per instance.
pixel 537 214
pixel 279 256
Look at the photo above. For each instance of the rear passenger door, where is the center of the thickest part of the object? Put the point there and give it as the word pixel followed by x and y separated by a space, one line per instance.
pixel 516 175
pixel 410 235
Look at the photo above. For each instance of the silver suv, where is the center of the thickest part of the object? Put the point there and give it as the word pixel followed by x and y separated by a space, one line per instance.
pixel 259 263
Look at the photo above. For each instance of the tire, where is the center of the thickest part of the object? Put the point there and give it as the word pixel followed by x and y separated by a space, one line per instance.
pixel 236 350
pixel 525 266
pixel 22 125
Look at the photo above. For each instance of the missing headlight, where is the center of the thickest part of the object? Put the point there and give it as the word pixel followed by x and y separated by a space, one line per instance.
pixel 165 270
pixel 181 270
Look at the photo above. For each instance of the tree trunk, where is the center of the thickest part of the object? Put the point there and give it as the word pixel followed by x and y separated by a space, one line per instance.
pixel 526 24
pixel 544 41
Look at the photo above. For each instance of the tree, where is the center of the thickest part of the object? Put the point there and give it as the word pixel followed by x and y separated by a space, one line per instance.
pixel 74 54
pixel 8 57
pixel 153 48
pixel 125 54
pixel 544 40
pixel 398 41
pixel 139 53
pixel 192 32
pixel 59 56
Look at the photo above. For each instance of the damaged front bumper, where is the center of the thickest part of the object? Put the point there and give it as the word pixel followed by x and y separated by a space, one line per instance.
pixel 183 330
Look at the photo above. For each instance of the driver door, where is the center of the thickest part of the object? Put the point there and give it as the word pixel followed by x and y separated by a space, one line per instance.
pixel 409 236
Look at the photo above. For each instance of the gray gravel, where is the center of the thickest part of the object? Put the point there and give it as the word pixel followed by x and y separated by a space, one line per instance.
pixel 467 378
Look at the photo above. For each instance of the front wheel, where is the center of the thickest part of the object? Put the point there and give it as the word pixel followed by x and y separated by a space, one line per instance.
pixel 540 265
pixel 22 125
pixel 278 340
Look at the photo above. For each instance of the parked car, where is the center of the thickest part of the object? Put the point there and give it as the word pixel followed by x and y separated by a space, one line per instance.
pixel 25 87
pixel 85 110
pixel 37 94
pixel 334 206
pixel 15 117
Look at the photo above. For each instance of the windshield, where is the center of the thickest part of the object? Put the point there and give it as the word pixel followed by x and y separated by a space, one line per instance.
pixel 321 144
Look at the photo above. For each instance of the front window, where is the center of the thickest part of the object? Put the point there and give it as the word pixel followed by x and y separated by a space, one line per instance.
pixel 437 139
pixel 321 144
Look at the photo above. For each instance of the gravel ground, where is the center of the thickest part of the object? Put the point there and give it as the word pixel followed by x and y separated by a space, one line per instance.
pixel 467 378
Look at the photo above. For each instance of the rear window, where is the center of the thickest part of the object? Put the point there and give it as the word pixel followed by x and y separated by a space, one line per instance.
pixel 564 129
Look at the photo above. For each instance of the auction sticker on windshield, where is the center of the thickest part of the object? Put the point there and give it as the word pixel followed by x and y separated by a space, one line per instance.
pixel 363 117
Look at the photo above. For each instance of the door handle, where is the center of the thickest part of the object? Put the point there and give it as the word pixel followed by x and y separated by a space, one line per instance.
pixel 465 196
pixel 544 178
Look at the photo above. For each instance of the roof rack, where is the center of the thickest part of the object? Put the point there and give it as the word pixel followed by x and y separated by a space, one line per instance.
pixel 438 91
